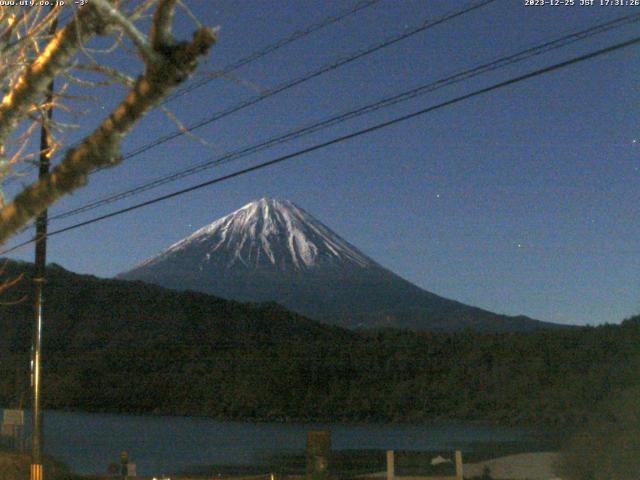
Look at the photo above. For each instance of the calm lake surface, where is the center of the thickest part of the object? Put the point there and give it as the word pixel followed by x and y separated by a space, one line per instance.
pixel 88 442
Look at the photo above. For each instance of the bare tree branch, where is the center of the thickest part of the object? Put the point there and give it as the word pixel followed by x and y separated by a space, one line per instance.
pixel 136 36
pixel 6 284
pixel 161 36
pixel 140 9
pixel 102 147
pixel 35 79
pixel 32 33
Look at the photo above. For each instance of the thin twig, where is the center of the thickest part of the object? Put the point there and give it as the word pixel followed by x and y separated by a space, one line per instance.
pixel 136 36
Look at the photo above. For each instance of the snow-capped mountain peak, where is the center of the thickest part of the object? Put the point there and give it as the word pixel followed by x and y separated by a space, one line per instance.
pixel 273 251
pixel 266 233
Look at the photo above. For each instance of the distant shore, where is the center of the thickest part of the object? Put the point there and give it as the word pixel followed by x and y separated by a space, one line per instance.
pixel 346 420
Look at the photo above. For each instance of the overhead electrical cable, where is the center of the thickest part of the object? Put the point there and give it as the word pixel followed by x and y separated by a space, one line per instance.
pixel 340 139
pixel 427 24
pixel 336 119
pixel 297 35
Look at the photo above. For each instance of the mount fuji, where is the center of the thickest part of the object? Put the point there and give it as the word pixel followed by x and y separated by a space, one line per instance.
pixel 273 250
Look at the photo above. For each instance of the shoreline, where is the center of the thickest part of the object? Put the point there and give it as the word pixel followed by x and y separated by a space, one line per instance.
pixel 348 421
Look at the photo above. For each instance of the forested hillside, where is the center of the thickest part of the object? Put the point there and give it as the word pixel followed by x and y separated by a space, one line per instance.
pixel 126 346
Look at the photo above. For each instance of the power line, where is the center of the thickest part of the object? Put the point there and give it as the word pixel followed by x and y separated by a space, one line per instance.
pixel 384 103
pixel 297 35
pixel 427 24
pixel 343 138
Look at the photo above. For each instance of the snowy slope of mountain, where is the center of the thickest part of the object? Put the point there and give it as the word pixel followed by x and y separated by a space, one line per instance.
pixel 272 250
pixel 267 233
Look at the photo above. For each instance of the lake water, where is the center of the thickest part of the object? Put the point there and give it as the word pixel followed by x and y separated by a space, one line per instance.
pixel 88 442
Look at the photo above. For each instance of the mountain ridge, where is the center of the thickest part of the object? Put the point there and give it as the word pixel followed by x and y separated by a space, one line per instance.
pixel 273 250
pixel 301 230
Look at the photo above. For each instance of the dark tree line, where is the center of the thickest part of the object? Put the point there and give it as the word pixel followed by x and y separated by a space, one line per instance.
pixel 129 347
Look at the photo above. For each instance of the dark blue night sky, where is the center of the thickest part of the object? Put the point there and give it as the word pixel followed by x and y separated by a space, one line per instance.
pixel 522 201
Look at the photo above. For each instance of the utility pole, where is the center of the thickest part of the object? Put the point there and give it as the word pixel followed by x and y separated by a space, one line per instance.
pixel 37 471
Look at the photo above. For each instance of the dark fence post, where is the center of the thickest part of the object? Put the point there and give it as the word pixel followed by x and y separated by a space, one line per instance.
pixel 124 464
pixel 318 453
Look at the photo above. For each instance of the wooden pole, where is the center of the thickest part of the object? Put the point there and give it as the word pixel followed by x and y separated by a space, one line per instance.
pixel 390 465
pixel 459 473
pixel 37 471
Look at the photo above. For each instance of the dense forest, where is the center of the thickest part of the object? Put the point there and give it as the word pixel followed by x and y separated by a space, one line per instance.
pixel 126 346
